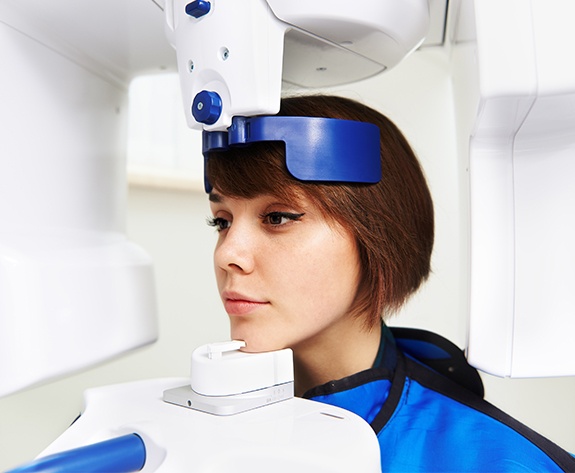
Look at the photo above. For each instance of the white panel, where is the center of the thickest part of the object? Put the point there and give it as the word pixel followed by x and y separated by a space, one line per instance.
pixel 114 39
pixel 289 436
pixel 554 42
pixel 385 31
pixel 507 89
pixel 73 290
pixel 522 220
pixel 545 257
pixel 545 204
pixel 505 48
pixel 492 275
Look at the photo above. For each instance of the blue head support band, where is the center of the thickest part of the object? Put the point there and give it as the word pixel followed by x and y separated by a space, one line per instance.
pixel 316 149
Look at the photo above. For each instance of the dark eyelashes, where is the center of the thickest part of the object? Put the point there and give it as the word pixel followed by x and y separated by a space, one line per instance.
pixel 218 223
pixel 270 218
pixel 274 218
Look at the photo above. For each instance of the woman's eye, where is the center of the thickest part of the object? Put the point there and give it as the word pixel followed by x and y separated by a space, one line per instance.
pixel 219 223
pixel 280 218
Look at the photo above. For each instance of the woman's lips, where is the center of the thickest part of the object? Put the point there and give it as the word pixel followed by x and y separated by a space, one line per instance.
pixel 238 304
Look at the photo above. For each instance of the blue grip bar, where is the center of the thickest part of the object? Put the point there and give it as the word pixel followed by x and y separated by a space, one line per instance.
pixel 124 454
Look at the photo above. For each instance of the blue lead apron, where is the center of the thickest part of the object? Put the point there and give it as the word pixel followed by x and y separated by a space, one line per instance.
pixel 426 406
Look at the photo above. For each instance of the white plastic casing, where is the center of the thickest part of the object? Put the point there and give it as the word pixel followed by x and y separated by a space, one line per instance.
pixel 226 381
pixel 383 31
pixel 74 291
pixel 243 50
pixel 286 437
pixel 220 369
pixel 522 313
pixel 235 50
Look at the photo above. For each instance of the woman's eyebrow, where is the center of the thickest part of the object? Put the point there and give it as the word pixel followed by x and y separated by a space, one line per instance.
pixel 215 198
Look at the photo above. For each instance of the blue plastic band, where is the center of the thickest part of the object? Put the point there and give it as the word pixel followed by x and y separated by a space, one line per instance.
pixel 316 149
pixel 120 454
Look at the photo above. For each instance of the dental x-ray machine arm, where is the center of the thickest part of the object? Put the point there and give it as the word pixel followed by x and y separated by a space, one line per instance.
pixel 233 56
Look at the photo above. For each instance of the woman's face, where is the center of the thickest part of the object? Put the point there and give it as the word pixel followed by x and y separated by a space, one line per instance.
pixel 287 276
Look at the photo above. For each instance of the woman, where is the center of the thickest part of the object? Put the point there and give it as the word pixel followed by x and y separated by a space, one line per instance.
pixel 318 266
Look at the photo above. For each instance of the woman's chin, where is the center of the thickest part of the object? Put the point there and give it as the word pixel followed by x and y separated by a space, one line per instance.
pixel 256 345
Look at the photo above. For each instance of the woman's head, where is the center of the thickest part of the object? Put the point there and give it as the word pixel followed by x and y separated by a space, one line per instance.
pixel 391 221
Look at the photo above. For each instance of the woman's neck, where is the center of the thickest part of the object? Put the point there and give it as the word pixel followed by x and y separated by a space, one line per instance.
pixel 339 351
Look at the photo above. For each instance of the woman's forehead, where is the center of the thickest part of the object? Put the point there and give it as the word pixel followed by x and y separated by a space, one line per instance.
pixel 287 194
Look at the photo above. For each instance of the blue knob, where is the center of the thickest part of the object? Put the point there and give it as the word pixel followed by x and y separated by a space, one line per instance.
pixel 198 8
pixel 207 107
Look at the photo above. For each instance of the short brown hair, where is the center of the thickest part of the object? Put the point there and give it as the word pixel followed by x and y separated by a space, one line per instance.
pixel 392 221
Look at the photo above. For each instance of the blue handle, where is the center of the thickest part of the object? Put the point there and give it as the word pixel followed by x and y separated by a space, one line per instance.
pixel 119 455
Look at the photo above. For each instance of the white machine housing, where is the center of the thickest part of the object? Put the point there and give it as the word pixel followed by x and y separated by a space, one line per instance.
pixel 74 291
pixel 243 50
pixel 293 435
pixel 512 60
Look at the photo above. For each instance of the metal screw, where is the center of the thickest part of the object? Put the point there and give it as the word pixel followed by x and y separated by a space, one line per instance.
pixel 200 105
pixel 225 53
pixel 190 66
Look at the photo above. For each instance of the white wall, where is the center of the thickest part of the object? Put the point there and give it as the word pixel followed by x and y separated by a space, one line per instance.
pixel 171 226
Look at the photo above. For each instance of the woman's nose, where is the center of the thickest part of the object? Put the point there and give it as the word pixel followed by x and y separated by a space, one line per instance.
pixel 234 251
